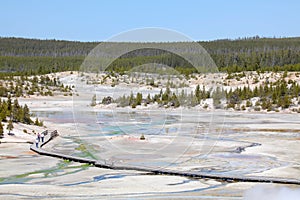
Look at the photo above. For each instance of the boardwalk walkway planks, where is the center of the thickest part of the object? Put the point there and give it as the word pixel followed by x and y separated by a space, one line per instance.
pixel 52 135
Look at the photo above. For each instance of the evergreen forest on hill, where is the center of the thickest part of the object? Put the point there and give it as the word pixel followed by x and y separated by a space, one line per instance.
pixel 21 56
pixel 22 60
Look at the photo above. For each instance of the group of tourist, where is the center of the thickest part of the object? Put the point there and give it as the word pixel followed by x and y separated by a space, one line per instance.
pixel 39 138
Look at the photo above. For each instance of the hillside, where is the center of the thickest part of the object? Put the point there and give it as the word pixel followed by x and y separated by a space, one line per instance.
pixel 32 56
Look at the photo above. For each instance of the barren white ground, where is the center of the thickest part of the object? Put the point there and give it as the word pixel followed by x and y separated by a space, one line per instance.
pixel 25 174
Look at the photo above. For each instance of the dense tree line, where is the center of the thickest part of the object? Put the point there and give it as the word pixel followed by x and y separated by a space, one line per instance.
pixel 33 56
pixel 17 86
pixel 22 47
pixel 270 96
pixel 11 111
pixel 248 54
pixel 254 53
pixel 12 65
pixel 166 98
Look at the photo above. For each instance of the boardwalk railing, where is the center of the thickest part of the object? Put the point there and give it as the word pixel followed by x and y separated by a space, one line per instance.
pixel 53 134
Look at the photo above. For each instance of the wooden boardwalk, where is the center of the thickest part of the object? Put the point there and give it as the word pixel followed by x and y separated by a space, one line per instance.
pixel 160 171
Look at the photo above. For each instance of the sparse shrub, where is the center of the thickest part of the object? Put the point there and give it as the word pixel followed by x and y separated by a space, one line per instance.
pixel 243 107
pixel 142 137
pixel 133 105
pixel 257 108
pixel 248 103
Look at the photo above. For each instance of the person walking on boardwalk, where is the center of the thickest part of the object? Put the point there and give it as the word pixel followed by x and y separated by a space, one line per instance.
pixel 42 137
pixel 37 143
pixel 39 137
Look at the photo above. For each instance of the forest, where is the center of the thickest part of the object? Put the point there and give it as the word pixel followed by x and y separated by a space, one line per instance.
pixel 11 111
pixel 21 60
pixel 271 96
pixel 31 56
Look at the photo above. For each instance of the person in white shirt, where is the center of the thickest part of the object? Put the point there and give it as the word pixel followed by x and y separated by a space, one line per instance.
pixel 37 143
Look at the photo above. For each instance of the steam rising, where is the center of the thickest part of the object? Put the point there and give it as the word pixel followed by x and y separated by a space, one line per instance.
pixel 269 192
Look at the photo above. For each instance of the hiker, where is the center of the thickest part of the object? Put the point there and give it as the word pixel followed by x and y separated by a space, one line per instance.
pixel 37 143
pixel 42 137
pixel 39 137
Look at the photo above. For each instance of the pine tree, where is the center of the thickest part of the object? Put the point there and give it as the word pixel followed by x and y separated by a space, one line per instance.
pixel 166 96
pixel 26 115
pixel 204 94
pixel 9 103
pixel 3 112
pixel 175 100
pixel 160 92
pixel 148 99
pixel 94 99
pixel 131 99
pixel 248 103
pixel 16 111
pixel 139 98
pixel 198 93
pixel 1 130
pixel 10 126
pixel 217 97
pixel 38 122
